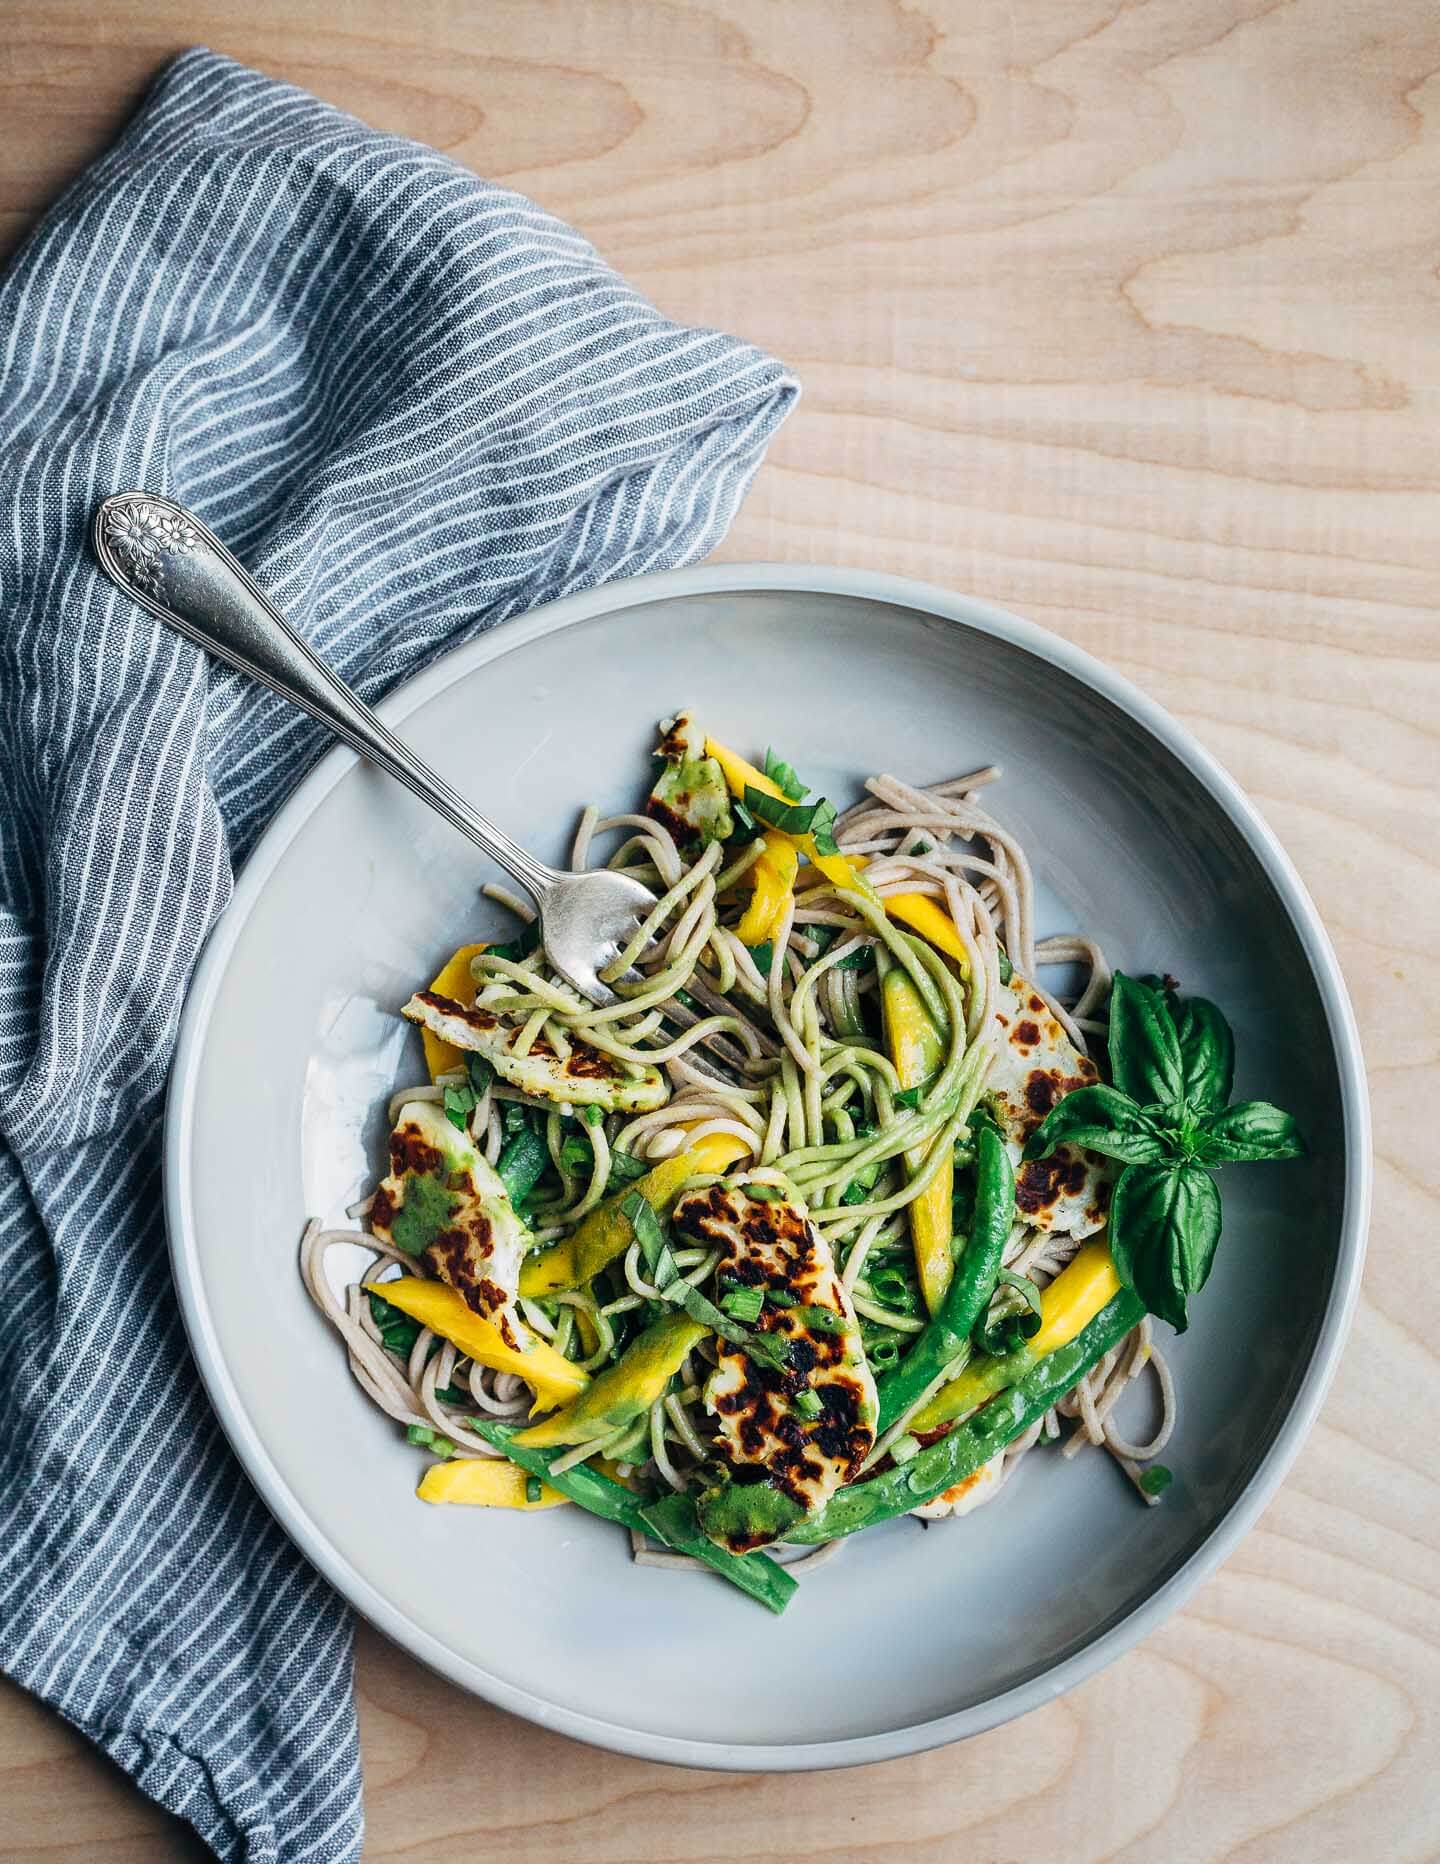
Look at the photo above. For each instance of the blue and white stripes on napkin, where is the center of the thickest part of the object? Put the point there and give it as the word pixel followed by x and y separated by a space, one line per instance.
pixel 413 404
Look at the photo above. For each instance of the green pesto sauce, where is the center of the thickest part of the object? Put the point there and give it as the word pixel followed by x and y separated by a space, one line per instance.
pixel 427 1210
pixel 734 1510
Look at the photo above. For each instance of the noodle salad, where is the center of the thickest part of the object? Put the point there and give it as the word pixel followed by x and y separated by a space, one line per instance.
pixel 831 1216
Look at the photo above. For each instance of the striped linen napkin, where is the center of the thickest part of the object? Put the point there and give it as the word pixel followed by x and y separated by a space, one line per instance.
pixel 414 405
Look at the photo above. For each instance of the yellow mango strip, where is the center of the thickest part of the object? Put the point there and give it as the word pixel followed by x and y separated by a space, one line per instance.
pixel 455 982
pixel 925 916
pixel 773 876
pixel 1075 1297
pixel 624 1392
pixel 438 1306
pixel 918 1052
pixel 739 773
pixel 485 1483
pixel 1067 1307
pixel 606 1233
pixel 930 919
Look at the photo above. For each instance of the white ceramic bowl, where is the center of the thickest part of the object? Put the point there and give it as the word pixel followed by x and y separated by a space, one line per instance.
pixel 290 1046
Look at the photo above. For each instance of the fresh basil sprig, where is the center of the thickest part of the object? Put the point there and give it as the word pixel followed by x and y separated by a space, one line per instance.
pixel 1166 1118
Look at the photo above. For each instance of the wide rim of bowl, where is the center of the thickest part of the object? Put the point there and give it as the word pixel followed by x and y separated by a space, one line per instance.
pixel 962 611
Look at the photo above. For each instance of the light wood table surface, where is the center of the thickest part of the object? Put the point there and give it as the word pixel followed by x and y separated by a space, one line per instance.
pixel 1127 317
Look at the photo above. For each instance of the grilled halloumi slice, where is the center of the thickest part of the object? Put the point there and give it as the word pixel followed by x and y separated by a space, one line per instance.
pixel 690 796
pixel 442 1201
pixel 780 1464
pixel 1035 1065
pixel 583 1078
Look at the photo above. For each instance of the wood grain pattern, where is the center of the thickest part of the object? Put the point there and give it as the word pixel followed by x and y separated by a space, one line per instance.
pixel 1126 316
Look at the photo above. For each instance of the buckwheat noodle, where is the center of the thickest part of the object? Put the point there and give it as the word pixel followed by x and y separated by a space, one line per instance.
pixel 814 1108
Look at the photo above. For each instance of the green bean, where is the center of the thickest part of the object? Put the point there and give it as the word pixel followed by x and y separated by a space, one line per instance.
pixel 947 1336
pixel 673 1519
pixel 983 1435
pixel 586 1487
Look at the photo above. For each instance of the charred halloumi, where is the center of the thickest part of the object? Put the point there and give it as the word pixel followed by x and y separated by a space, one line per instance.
pixel 583 1078
pixel 443 1202
pixel 1035 1065
pixel 690 796
pixel 783 1454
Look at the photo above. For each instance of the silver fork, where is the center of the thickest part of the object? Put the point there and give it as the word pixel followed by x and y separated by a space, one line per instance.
pixel 165 559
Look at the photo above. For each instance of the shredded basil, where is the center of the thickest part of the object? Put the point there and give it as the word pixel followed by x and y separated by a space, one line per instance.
pixel 817 818
pixel 783 776
pixel 576 1153
pixel 1156 1479
pixel 460 1103
pixel 746 827
pixel 625 1168
pixel 397 1331
pixel 763 1348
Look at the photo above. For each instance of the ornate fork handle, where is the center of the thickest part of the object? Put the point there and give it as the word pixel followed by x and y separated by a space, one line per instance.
pixel 166 560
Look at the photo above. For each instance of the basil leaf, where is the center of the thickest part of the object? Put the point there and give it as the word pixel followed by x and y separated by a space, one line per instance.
pixel 650 1234
pixel 790 818
pixel 1164 1226
pixel 1251 1129
pixel 398 1331
pixel 783 776
pixel 1155 1480
pixel 761 956
pixel 625 1168
pixel 1207 1054
pixel 855 960
pixel 764 1348
pixel 459 1105
pixel 576 1153
pixel 746 827
pixel 1101 1120
pixel 480 1071
pixel 1144 1048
